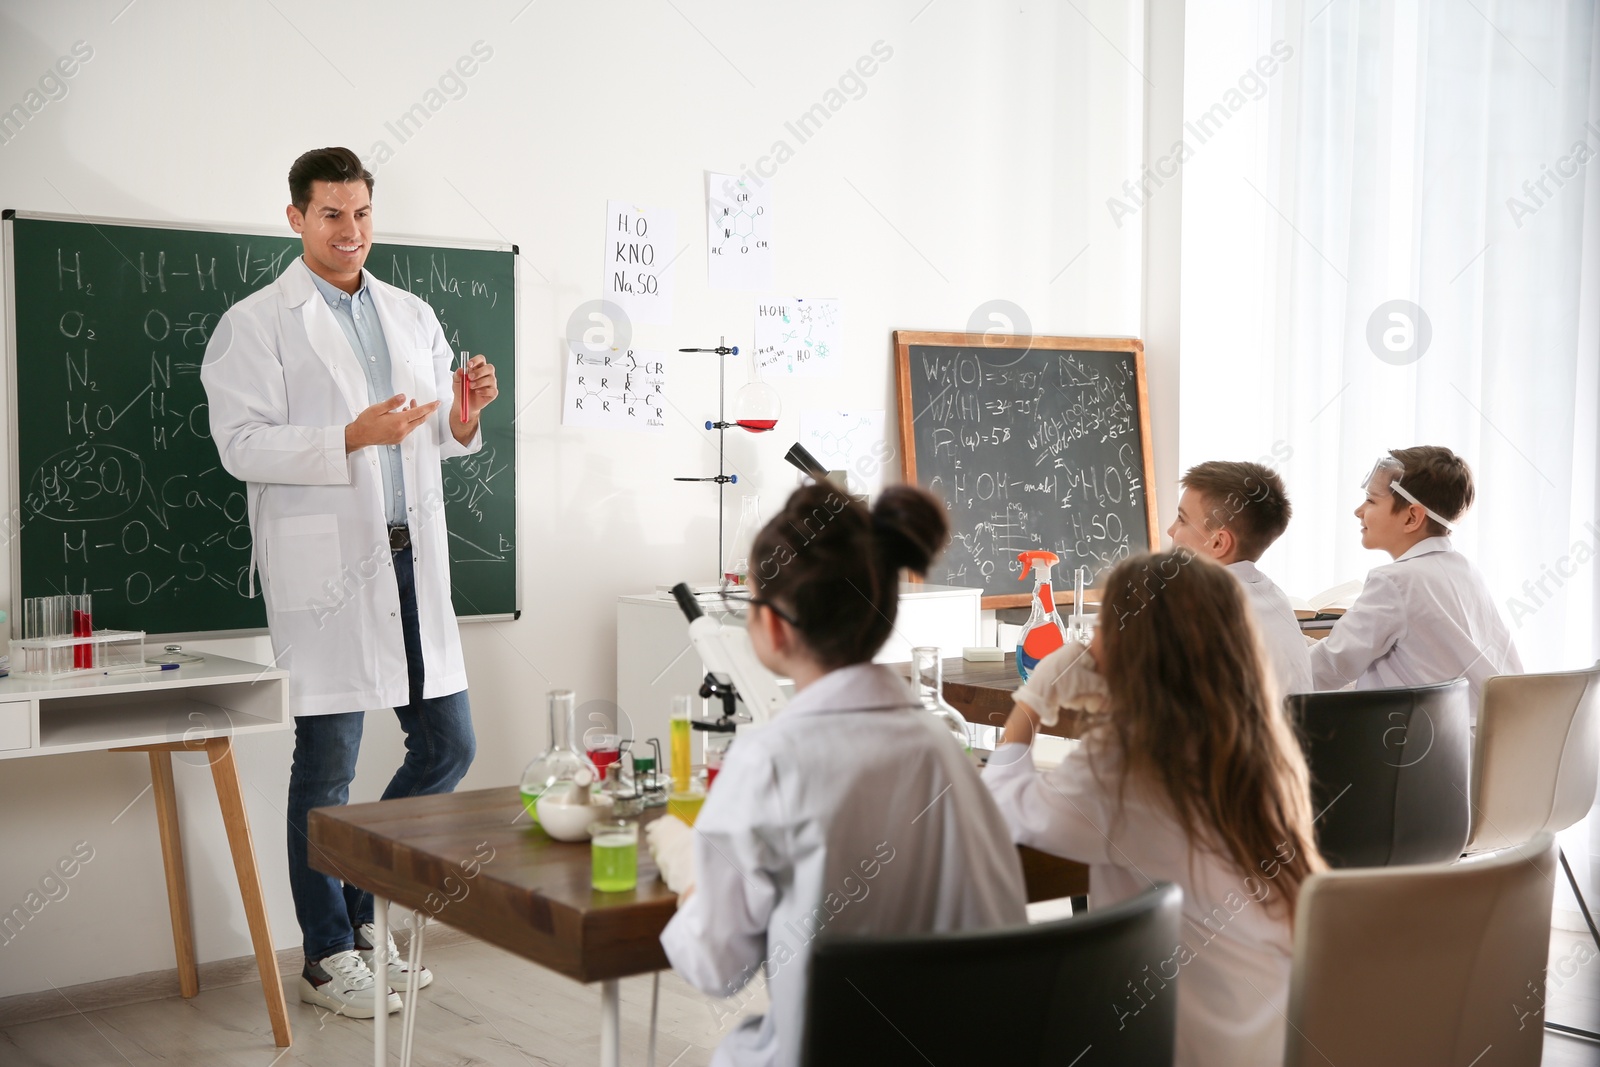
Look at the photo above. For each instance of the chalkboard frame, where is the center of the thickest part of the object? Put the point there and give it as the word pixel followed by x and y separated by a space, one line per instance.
pixel 10 524
pixel 905 340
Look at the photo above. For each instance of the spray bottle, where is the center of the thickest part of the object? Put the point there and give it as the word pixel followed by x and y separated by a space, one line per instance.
pixel 1043 633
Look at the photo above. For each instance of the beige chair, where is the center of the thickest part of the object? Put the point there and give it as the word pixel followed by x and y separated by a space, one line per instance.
pixel 1431 964
pixel 1535 762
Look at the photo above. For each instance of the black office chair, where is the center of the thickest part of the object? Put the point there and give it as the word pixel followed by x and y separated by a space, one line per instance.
pixel 1389 772
pixel 1052 993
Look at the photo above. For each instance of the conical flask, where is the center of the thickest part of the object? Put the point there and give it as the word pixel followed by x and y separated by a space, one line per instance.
pixel 736 570
pixel 556 768
pixel 930 692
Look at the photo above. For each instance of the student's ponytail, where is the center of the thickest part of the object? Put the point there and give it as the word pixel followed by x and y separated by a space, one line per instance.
pixel 834 567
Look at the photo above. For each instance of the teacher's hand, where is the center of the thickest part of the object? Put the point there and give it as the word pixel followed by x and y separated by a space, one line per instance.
pixel 483 387
pixel 388 422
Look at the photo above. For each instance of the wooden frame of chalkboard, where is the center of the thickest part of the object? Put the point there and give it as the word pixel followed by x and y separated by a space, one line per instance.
pixel 1002 352
pixel 442 280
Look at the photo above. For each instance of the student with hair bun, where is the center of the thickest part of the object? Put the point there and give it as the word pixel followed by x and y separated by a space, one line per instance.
pixel 853 811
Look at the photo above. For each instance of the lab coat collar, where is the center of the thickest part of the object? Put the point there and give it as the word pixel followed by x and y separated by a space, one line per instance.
pixel 327 339
pixel 332 295
pixel 861 687
pixel 1246 571
pixel 1425 547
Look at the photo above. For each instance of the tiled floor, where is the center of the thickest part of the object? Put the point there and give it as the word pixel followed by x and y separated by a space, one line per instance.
pixel 1572 996
pixel 488 1008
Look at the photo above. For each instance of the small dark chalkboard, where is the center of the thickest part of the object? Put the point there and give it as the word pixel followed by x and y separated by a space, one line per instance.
pixel 1032 443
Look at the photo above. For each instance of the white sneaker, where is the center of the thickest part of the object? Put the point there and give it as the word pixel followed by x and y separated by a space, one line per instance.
pixel 400 976
pixel 344 982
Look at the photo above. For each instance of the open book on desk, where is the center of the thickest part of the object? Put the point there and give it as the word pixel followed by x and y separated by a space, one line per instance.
pixel 1328 604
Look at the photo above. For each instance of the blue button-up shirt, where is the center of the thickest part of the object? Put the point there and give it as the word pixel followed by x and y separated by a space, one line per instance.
pixel 358 318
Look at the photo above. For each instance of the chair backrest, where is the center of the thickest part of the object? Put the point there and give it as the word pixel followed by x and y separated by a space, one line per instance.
pixel 1063 988
pixel 1389 772
pixel 1423 965
pixel 1536 757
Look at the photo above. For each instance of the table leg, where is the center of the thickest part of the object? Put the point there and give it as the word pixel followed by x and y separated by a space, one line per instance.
pixel 610 1023
pixel 380 983
pixel 166 799
pixel 225 773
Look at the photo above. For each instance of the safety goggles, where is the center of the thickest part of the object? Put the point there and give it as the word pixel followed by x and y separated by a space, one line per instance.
pixel 739 607
pixel 1391 470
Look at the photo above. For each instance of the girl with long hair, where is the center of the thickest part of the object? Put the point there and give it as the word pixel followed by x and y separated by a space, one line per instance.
pixel 853 810
pixel 1191 775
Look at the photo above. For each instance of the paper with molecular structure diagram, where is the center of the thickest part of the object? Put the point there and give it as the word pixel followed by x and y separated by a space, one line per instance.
pixel 849 441
pixel 799 338
pixel 615 390
pixel 641 246
pixel 738 232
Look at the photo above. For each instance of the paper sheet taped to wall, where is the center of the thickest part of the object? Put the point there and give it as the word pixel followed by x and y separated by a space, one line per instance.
pixel 615 390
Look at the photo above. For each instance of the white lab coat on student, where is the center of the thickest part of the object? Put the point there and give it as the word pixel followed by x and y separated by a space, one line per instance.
pixel 850 813
pixel 283 382
pixel 1232 963
pixel 1287 654
pixel 1427 617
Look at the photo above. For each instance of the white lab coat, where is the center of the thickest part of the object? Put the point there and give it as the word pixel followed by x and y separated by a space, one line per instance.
pixel 851 813
pixel 1427 617
pixel 1287 654
pixel 283 382
pixel 1230 970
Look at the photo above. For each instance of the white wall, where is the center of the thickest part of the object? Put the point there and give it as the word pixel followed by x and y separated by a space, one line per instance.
pixel 983 151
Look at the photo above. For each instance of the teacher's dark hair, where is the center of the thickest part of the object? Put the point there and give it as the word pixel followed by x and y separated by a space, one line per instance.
pixel 324 165
pixel 833 567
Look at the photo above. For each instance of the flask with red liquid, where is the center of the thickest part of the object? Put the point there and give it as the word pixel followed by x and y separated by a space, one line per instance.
pixel 757 406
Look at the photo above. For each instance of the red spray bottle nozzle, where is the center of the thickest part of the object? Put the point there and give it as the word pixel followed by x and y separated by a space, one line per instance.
pixel 1028 559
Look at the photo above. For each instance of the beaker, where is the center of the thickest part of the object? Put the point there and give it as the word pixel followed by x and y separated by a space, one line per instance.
pixel 614 855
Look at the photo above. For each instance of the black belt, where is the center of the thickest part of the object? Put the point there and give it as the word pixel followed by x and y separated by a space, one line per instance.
pixel 399 538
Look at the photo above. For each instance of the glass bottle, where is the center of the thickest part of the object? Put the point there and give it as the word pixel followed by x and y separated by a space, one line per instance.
pixel 626 800
pixel 736 570
pixel 562 760
pixel 929 669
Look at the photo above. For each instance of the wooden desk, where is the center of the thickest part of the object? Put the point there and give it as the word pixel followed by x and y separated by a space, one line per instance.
pixel 473 860
pixel 196 709
pixel 984 693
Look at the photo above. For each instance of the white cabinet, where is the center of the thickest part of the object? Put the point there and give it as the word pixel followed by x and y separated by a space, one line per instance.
pixel 655 661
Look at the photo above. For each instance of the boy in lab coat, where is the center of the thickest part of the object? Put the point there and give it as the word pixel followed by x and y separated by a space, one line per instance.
pixel 1428 616
pixel 853 811
pixel 1232 513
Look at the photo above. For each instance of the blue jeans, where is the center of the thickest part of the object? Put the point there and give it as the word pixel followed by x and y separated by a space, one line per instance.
pixel 439 749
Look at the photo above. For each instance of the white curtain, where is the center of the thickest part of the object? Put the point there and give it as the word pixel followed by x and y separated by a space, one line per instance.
pixel 1441 152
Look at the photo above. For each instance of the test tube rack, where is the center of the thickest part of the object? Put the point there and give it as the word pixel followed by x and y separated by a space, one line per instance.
pixel 53 657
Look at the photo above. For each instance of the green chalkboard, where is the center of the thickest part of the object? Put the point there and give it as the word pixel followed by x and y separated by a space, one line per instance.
pixel 117 487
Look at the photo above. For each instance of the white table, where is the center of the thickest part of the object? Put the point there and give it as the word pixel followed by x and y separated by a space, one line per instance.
pixel 200 707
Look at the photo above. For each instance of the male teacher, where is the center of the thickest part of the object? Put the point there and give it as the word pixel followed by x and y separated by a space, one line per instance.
pixel 325 391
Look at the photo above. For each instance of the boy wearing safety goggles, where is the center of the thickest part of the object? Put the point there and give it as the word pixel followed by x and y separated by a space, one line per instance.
pixel 1428 616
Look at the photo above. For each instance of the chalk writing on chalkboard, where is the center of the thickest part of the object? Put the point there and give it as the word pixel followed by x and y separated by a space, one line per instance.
pixel 1029 448
pixel 120 490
